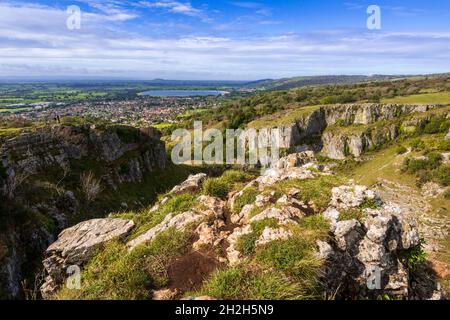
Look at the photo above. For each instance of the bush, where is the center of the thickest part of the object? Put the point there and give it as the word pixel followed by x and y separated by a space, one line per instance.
pixel 443 145
pixel 216 187
pixel 414 257
pixel 432 161
pixel 442 176
pixel 127 134
pixel 401 150
pixel 436 125
pixel 417 145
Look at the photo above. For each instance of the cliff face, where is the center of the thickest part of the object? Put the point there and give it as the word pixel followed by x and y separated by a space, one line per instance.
pixel 32 214
pixel 371 124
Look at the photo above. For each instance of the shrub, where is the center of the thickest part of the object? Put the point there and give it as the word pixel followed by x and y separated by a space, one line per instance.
pixel 443 145
pixel 436 125
pixel 127 134
pixel 432 161
pixel 417 145
pixel 414 257
pixel 401 150
pixel 442 176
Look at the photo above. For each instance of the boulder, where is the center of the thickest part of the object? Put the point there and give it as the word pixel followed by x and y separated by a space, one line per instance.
pixel 77 245
pixel 192 184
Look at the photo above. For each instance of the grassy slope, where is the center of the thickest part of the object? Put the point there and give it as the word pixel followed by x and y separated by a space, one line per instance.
pixel 285 117
pixel 280 270
pixel 427 98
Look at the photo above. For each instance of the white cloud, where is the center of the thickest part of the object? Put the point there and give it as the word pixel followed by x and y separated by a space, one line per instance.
pixel 174 7
pixel 34 40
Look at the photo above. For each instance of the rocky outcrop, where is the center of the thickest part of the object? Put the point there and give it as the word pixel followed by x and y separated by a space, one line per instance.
pixel 338 144
pixel 77 245
pixel 364 258
pixel 34 152
pixel 209 207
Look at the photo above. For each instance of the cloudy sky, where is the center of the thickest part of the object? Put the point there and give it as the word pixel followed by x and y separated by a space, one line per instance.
pixel 221 39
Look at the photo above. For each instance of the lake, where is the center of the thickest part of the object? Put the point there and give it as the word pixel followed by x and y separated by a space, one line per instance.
pixel 182 93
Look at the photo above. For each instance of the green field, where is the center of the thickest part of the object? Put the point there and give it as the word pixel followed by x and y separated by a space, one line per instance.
pixel 427 98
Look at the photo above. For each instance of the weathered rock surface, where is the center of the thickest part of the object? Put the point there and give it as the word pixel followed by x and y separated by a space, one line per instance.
pixel 295 166
pixel 363 260
pixel 76 246
pixel 34 152
pixel 209 207
pixel 339 145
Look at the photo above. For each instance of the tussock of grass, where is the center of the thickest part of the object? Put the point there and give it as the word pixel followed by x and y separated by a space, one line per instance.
pixel 295 258
pixel 229 181
pixel 248 197
pixel 243 284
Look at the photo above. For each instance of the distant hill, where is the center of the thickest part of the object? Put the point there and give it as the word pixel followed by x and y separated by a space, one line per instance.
pixel 290 83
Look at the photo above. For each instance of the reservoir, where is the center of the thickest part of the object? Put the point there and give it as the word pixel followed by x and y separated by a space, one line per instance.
pixel 182 93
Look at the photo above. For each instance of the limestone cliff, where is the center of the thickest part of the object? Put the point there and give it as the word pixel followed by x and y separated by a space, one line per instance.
pixel 40 185
pixel 351 129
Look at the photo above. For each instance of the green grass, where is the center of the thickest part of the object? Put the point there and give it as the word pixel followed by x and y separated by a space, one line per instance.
pixel 116 274
pixel 146 220
pixel 317 191
pixel 247 243
pixel 250 284
pixel 294 257
pixel 285 117
pixel 283 269
pixel 230 180
pixel 164 125
pixel 427 98
pixel 248 197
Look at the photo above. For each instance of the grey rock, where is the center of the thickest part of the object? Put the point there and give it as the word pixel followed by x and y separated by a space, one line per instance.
pixel 77 245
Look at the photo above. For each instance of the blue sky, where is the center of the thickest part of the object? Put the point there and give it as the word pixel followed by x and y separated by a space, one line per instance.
pixel 221 39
